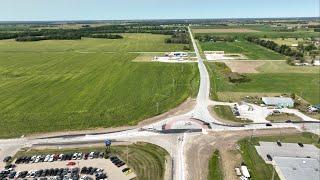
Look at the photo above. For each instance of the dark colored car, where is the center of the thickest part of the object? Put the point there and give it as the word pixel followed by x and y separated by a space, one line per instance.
pixel 269 157
pixel 101 154
pixel 300 144
pixel 268 124
pixel 288 121
pixel 120 164
pixel 12 174
pixel 38 173
pixel 85 156
pixel 116 161
pixel 83 170
pixel 93 170
pixel 279 143
pixel 7 159
pixel 125 169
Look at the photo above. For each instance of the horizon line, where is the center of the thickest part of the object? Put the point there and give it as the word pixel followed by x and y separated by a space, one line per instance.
pixel 159 19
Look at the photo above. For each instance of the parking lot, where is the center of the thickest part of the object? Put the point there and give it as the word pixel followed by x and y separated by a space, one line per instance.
pixel 292 161
pixel 85 166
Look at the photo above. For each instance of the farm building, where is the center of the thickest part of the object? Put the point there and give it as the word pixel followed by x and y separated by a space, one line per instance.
pixel 178 54
pixel 278 101
pixel 316 63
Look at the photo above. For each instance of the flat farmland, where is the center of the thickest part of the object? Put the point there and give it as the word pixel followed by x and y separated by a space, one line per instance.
pixel 67 90
pixel 130 43
pixel 252 51
pixel 306 85
pixel 228 30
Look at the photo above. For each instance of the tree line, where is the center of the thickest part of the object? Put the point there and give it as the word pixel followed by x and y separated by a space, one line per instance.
pixel 212 38
pixel 178 34
pixel 282 49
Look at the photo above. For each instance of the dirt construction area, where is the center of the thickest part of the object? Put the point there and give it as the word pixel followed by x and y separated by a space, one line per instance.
pixel 244 66
pixel 199 152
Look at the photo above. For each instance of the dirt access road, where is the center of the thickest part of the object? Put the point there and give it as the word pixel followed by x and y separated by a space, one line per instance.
pixel 200 148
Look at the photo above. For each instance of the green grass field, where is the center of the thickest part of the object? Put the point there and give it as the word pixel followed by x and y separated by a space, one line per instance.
pixel 130 42
pixel 266 33
pixel 283 67
pixel 215 169
pixel 146 160
pixel 257 166
pixel 252 51
pixel 306 85
pixel 67 90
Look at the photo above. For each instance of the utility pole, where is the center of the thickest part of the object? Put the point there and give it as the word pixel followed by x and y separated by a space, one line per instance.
pixel 173 83
pixel 127 155
pixel 273 173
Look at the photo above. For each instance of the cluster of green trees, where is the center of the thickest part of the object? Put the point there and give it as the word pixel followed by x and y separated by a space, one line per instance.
pixel 49 37
pixel 179 37
pixel 208 37
pixel 106 36
pixel 178 34
pixel 283 49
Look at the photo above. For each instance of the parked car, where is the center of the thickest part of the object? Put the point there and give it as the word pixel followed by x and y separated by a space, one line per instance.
pixel 101 154
pixel 268 124
pixel 60 157
pixel 79 156
pixel 51 158
pixel 75 156
pixel 91 155
pixel 121 164
pixel 300 144
pixel 85 156
pixel 7 159
pixel 279 143
pixel 269 157
pixel 288 121
pixel 128 172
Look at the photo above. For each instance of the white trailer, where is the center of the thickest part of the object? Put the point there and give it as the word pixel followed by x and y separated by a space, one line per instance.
pixel 245 171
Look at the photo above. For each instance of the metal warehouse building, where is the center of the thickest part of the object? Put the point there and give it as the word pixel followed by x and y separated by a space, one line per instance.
pixel 278 101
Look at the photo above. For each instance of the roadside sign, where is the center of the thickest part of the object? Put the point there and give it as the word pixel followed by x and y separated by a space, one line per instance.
pixel 107 142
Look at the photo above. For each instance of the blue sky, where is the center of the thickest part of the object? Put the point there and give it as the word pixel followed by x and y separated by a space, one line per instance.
pixel 29 10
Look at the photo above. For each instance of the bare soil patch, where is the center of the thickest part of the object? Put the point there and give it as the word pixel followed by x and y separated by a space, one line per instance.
pixel 244 66
pixel 199 153
pixel 234 30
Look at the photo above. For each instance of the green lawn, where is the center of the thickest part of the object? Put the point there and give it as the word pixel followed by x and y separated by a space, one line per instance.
pixel 284 67
pixel 68 90
pixel 305 85
pixel 130 42
pixel 252 51
pixel 257 166
pixel 215 169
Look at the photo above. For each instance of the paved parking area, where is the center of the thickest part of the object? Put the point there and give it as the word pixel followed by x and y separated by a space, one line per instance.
pixel 291 161
pixel 287 150
pixel 113 172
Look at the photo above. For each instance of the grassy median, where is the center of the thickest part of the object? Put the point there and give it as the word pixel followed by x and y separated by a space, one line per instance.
pixel 215 169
